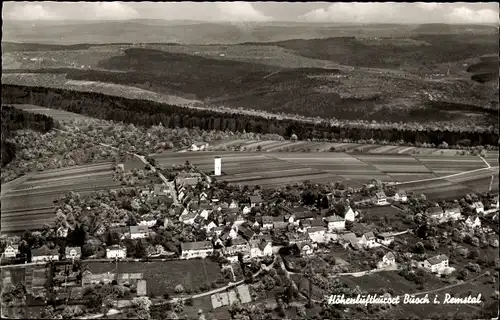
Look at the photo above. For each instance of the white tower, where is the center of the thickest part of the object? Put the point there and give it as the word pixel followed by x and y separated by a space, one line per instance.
pixel 217 166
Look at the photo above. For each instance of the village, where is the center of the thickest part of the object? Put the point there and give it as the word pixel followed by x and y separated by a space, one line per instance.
pixel 254 227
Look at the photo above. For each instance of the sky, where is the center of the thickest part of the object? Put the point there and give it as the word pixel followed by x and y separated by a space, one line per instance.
pixel 338 12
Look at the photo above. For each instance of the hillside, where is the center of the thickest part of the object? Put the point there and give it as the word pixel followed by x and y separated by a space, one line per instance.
pixel 192 32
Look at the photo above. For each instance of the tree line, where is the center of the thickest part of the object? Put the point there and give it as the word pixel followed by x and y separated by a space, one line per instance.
pixel 148 113
pixel 14 119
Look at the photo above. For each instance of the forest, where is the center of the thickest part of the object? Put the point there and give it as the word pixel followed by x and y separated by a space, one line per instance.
pixel 431 48
pixel 148 113
pixel 14 119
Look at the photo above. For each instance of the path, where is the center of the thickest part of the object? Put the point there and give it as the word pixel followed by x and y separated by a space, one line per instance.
pixel 451 286
pixel 443 177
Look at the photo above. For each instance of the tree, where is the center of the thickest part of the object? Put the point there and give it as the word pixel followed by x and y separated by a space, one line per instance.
pixel 140 250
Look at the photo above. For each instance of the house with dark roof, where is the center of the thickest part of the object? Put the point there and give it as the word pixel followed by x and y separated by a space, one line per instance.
pixel 380 198
pixel 139 232
pixel 280 225
pixel 345 211
pixel 260 248
pixel 368 240
pixel 255 200
pixel 267 222
pixel 453 213
pixel 44 254
pixel 401 196
pixel 245 232
pixel 387 260
pixel 335 223
pixel 293 238
pixel 305 248
pixel 199 249
pixel 385 238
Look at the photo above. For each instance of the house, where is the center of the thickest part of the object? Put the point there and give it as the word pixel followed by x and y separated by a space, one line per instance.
pixel 478 207
pixel 305 248
pixel 316 230
pixel 437 263
pixel 73 253
pixel 245 232
pixel 204 213
pixel 280 225
pixel 260 248
pixel 237 246
pixel 401 196
pixel 148 220
pixel 255 200
pixel 345 211
pixel 209 225
pixel 200 249
pixel 198 146
pixel 233 204
pixel 335 223
pixel 203 196
pixel 44 254
pixel 385 238
pixel 238 220
pixel 318 223
pixel 116 252
pixel 473 221
pixel 349 239
pixel 11 251
pixel 368 240
pixel 139 232
pixel 246 209
pixel 435 213
pixel 62 232
pixel 301 213
pixel 380 198
pixel 188 218
pixel 453 213
pixel 294 238
pixel 387 260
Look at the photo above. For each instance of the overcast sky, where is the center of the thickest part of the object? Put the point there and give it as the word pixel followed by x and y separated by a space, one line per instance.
pixel 257 11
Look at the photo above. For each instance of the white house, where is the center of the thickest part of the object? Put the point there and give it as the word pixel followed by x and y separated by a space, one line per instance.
pixel 387 261
pixel 62 232
pixel 473 221
pixel 368 240
pixel 148 222
pixel 116 252
pixel 345 211
pixel 401 196
pixel 139 232
pixel 44 254
pixel 203 196
pixel 435 213
pixel 188 218
pixel 385 238
pixel 436 264
pixel 478 207
pixel 200 249
pixel 454 213
pixel 73 253
pixel 237 246
pixel 267 222
pixel 335 223
pixel 260 248
pixel 11 251
pixel 204 213
pixel 198 146
pixel 380 198
pixel 246 210
pixel 233 204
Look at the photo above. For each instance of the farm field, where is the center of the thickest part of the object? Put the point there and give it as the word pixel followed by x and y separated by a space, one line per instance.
pixel 312 146
pixel 163 276
pixel 275 169
pixel 58 115
pixel 29 204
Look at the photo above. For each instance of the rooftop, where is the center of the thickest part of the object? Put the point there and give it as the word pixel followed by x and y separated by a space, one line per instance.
pixel 437 259
pixel 199 245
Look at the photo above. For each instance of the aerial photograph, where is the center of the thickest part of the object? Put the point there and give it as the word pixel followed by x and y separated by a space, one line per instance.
pixel 250 160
